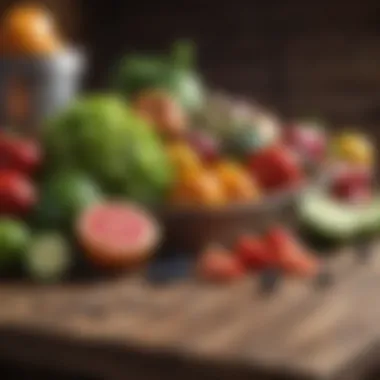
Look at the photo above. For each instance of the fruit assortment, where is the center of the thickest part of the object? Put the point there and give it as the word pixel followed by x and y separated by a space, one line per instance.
pixel 103 165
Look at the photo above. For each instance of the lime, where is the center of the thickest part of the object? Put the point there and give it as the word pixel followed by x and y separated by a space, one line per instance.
pixel 48 257
pixel 14 237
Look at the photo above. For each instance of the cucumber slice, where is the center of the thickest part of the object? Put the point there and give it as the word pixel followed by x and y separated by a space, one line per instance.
pixel 48 258
pixel 327 217
pixel 370 220
pixel 335 220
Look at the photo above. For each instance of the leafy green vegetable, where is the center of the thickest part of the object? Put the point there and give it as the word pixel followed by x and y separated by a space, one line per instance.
pixel 174 73
pixel 102 137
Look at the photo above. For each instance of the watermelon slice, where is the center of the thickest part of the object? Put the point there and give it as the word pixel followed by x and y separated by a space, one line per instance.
pixel 117 235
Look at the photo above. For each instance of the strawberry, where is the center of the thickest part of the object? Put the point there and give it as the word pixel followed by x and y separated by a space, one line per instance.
pixel 290 255
pixel 252 252
pixel 218 264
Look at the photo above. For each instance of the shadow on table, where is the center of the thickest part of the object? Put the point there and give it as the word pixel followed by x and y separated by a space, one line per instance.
pixel 13 371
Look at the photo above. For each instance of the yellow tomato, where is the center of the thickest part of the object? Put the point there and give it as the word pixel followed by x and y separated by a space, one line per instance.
pixel 355 149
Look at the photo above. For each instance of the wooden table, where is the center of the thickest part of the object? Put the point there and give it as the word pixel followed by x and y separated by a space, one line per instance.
pixel 127 328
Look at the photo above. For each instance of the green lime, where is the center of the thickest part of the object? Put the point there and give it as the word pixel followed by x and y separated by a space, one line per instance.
pixel 14 237
pixel 48 257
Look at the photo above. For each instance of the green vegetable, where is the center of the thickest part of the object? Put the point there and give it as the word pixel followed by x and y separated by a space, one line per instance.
pixel 48 258
pixel 14 237
pixel 62 197
pixel 102 137
pixel 174 73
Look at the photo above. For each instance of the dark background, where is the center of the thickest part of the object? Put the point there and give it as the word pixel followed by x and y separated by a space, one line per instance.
pixel 304 58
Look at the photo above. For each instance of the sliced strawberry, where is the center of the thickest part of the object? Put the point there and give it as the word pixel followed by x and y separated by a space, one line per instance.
pixel 291 255
pixel 253 253
pixel 217 264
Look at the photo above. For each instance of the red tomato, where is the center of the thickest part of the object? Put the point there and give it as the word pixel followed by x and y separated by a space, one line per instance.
pixel 290 255
pixel 276 168
pixel 253 252
pixel 216 264
pixel 19 154
pixel 17 193
pixel 352 184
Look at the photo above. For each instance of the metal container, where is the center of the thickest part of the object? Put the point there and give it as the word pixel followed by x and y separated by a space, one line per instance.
pixel 34 88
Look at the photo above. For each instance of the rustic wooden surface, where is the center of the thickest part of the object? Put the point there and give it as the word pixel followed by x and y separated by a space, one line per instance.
pixel 300 331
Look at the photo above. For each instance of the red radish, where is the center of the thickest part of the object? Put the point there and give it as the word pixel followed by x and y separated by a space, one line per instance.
pixel 253 252
pixel 17 153
pixel 276 168
pixel 17 194
pixel 116 234
pixel 218 264
pixel 291 256
pixel 307 140
pixel 205 145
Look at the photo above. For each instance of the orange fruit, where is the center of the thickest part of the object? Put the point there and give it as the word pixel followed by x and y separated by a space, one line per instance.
pixel 238 183
pixel 29 29
pixel 201 188
pixel 185 160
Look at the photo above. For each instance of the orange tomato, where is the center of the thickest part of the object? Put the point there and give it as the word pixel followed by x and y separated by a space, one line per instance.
pixel 238 183
pixel 201 188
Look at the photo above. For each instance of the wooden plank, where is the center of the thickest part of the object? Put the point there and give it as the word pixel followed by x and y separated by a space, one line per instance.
pixel 298 330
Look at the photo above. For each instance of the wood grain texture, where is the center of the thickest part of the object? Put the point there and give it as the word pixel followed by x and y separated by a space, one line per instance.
pixel 297 332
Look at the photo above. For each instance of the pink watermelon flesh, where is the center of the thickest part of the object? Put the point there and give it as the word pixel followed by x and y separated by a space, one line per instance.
pixel 118 227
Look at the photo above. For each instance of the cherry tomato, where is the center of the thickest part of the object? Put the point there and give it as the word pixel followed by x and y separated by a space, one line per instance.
pixel 217 264
pixel 291 255
pixel 17 193
pixel 276 168
pixel 19 154
pixel 253 252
